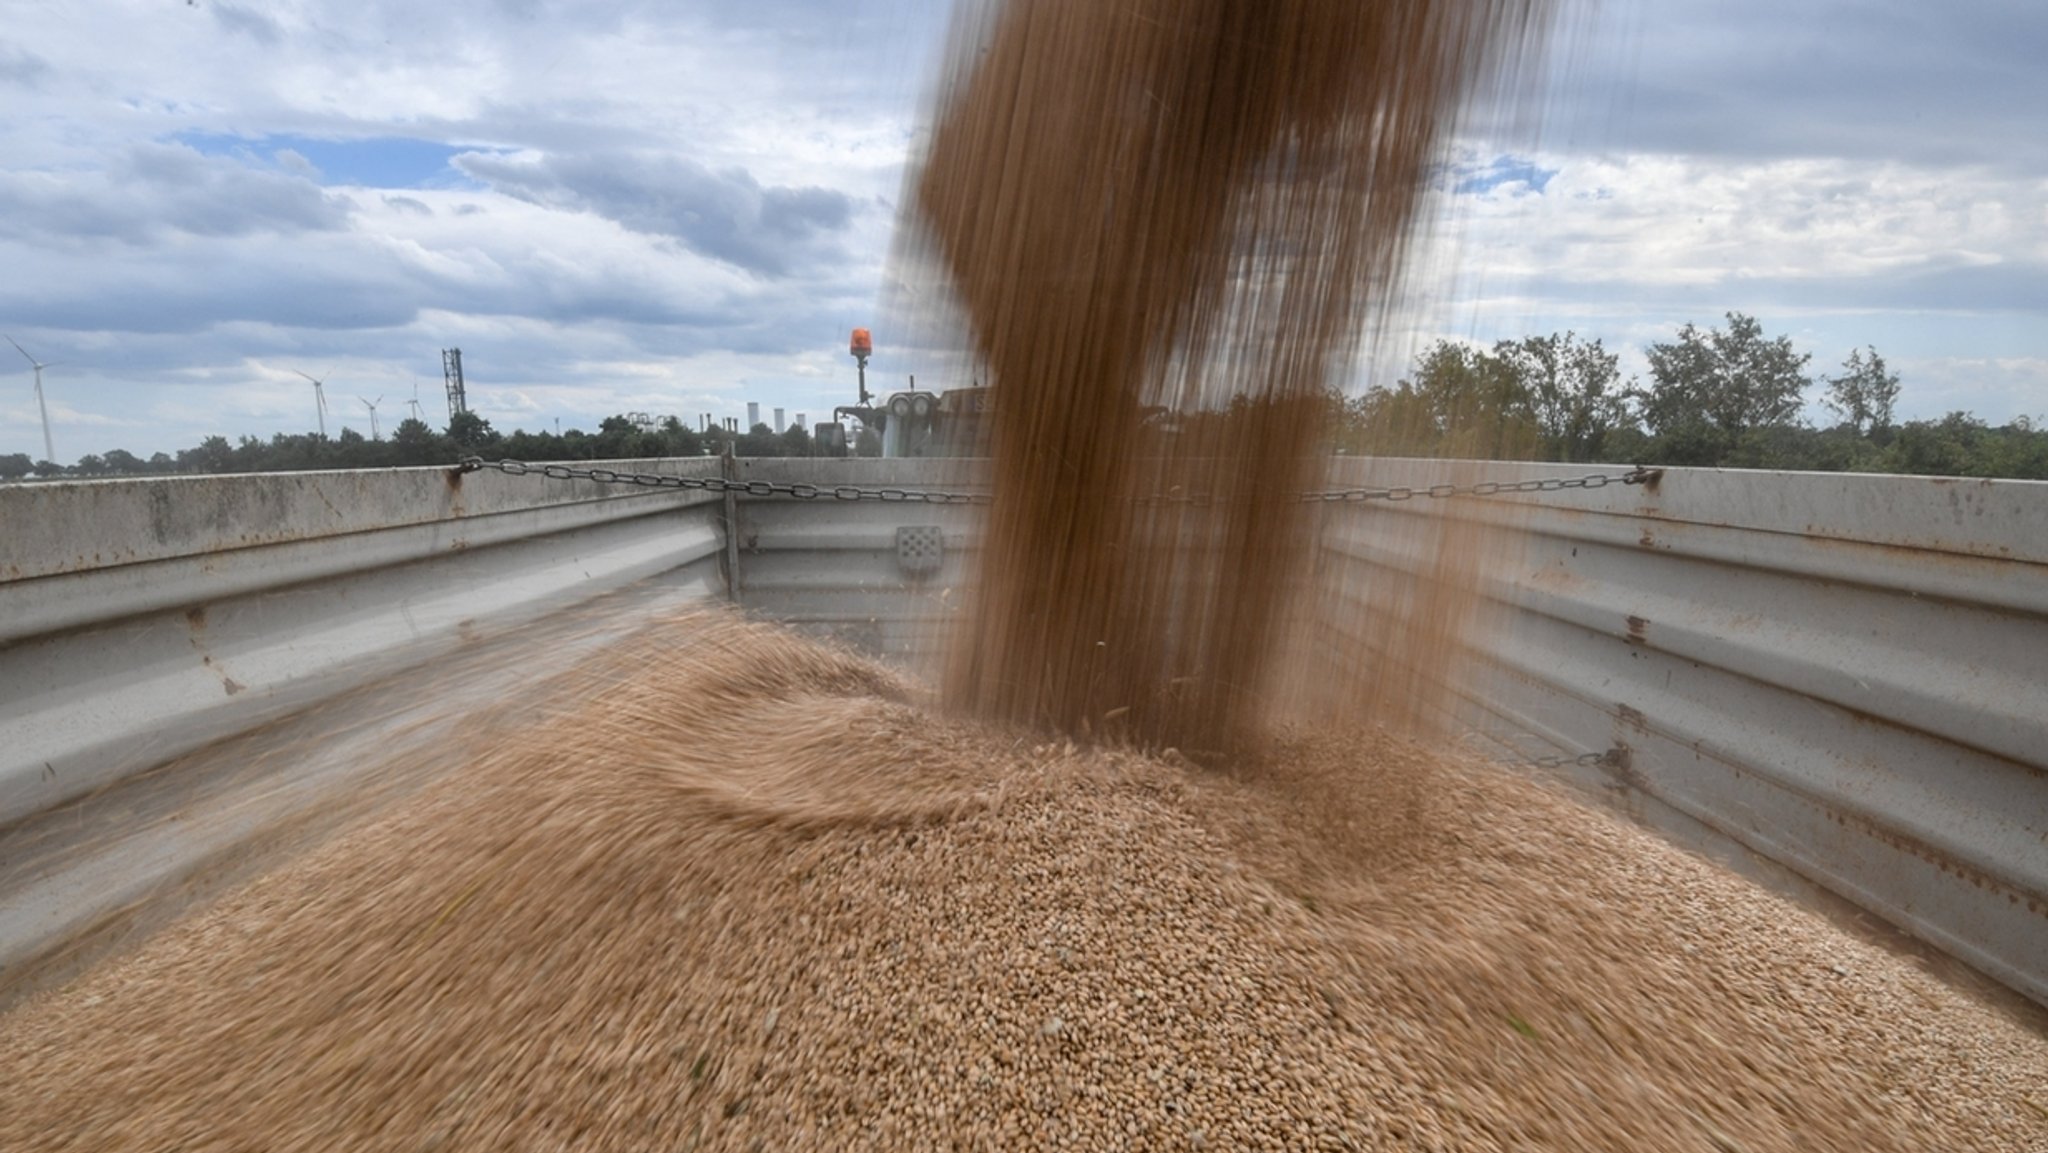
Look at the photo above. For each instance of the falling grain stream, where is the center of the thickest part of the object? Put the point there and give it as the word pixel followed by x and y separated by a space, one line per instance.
pixel 1153 862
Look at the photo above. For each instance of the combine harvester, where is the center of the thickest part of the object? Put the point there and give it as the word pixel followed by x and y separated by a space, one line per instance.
pixel 1839 682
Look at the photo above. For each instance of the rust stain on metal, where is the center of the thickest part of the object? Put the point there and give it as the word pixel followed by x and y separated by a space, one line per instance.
pixel 458 506
pixel 227 682
pixel 1621 764
pixel 1557 577
pixel 1638 631
pixel 1942 861
pixel 1932 547
pixel 196 617
pixel 1631 717
pixel 1745 622
pixel 1878 720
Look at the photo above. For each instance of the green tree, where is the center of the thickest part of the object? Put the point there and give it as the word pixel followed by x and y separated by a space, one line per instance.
pixel 759 440
pixel 470 431
pixel 680 439
pixel 214 454
pixel 1951 446
pixel 121 462
pixel 1387 422
pixel 618 438
pixel 414 442
pixel 796 441
pixel 1572 389
pixel 1709 390
pixel 1471 402
pixel 1864 393
pixel 15 465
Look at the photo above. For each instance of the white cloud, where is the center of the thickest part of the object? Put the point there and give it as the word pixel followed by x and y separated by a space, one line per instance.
pixel 1936 267
pixel 725 215
pixel 683 207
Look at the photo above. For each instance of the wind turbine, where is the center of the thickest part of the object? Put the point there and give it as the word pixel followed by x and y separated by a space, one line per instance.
pixel 415 401
pixel 49 450
pixel 319 402
pixel 372 406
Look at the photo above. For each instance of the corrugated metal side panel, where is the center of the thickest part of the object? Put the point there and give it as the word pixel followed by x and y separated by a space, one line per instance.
pixel 76 554
pixel 82 526
pixel 109 670
pixel 830 567
pixel 1846 674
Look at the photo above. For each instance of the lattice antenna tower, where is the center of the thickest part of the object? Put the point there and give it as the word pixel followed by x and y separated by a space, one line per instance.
pixel 451 369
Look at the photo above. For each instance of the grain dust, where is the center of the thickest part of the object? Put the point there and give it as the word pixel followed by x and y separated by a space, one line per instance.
pixel 1167 224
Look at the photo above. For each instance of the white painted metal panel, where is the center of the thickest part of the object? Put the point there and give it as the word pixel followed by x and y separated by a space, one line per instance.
pixel 1846 674
pixel 206 625
pixel 830 567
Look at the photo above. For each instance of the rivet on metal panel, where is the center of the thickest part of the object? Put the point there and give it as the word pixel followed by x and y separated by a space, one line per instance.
pixel 920 548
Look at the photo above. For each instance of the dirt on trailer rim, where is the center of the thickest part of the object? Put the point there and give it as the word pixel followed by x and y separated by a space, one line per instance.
pixel 742 891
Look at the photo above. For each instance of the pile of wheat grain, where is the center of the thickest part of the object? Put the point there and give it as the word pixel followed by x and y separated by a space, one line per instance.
pixel 742 892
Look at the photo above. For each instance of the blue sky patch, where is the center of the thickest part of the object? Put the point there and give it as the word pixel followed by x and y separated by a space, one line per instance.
pixel 1503 170
pixel 378 162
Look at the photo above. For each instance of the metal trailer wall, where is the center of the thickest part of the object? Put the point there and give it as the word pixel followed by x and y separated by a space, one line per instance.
pixel 881 576
pixel 140 619
pixel 1845 674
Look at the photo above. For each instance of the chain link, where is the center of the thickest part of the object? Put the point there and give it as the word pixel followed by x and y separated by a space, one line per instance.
pixel 1637 475
pixel 1583 760
pixel 720 484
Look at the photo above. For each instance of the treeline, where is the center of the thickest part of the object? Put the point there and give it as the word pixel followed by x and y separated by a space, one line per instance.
pixel 1724 397
pixel 413 442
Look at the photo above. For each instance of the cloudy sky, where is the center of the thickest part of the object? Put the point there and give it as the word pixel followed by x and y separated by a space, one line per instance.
pixel 678 207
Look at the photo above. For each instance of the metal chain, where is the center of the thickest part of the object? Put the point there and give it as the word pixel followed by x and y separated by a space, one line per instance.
pixel 1637 475
pixel 720 484
pixel 1583 760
